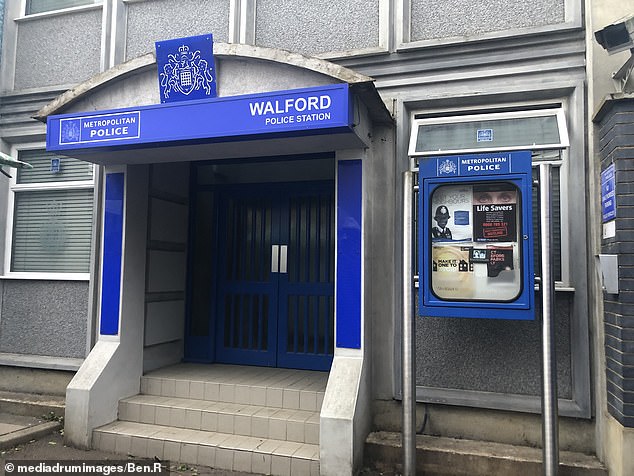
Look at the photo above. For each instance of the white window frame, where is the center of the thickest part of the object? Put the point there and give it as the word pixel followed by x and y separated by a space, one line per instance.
pixel 61 11
pixel 14 188
pixel 558 113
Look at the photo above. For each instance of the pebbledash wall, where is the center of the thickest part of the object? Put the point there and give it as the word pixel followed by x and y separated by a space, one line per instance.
pixel 479 378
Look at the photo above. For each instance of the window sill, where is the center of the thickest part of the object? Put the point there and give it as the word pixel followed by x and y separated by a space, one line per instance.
pixel 40 361
pixel 47 276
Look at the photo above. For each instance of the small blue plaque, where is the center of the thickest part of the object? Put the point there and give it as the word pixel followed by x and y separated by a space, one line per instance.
pixel 186 68
pixel 485 135
pixel 55 166
pixel 608 195
pixel 461 217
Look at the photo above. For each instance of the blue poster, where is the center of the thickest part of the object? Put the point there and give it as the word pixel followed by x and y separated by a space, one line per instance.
pixel 186 68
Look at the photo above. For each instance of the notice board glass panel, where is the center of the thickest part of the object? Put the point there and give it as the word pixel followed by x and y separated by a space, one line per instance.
pixel 476 242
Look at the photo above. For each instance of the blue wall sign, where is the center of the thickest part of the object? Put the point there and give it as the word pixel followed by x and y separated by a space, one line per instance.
pixel 297 111
pixel 186 68
pixel 56 165
pixel 485 135
pixel 608 196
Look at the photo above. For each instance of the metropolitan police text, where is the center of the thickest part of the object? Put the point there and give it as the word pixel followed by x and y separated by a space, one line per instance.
pixel 112 127
pixel 484 164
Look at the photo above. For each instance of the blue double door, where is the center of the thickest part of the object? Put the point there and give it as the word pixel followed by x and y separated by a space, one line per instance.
pixel 275 275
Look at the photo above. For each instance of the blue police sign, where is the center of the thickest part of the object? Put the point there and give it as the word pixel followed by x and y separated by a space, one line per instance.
pixel 474 165
pixel 186 68
pixel 608 197
pixel 99 128
pixel 297 111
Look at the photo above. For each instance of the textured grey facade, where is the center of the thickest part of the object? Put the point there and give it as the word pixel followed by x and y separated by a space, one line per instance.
pixel 148 22
pixel 310 29
pixel 41 62
pixel 433 19
pixel 44 318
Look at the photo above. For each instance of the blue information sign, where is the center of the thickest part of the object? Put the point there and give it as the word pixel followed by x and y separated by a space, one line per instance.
pixel 186 68
pixel 297 111
pixel 485 135
pixel 608 196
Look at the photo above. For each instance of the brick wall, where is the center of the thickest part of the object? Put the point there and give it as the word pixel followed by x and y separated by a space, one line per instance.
pixel 616 133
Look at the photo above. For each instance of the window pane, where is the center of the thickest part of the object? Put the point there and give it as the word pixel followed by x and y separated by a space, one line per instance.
pixel 44 170
pixel 39 6
pixel 52 231
pixel 487 134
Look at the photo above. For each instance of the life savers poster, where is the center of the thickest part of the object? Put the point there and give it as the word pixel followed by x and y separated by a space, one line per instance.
pixel 475 242
pixel 494 213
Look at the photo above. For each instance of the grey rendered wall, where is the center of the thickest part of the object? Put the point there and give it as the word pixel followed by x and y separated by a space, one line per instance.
pixel 165 19
pixel 490 355
pixel 317 27
pixel 64 49
pixel 44 318
pixel 166 264
pixel 433 19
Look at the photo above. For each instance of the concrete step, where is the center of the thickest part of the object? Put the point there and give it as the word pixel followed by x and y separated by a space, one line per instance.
pixel 437 456
pixel 214 449
pixel 230 418
pixel 278 388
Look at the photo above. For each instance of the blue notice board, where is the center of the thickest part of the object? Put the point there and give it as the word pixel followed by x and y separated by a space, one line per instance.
pixel 608 195
pixel 475 242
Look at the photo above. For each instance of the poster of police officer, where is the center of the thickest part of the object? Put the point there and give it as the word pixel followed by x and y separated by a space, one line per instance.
pixel 451 214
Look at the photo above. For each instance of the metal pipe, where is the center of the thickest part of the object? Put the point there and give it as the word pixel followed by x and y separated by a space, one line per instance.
pixel 408 355
pixel 550 427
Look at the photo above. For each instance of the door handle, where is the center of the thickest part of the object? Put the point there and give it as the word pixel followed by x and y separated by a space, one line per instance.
pixel 283 258
pixel 275 258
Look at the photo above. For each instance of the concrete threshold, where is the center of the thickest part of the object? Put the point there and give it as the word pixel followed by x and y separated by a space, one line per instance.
pixel 437 456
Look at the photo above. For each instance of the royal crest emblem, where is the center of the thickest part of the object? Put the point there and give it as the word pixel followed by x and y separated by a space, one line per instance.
pixel 186 68
pixel 70 131
pixel 185 72
pixel 447 167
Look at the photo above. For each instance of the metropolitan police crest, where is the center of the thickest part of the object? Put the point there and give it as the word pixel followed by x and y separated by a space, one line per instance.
pixel 447 167
pixel 187 72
